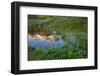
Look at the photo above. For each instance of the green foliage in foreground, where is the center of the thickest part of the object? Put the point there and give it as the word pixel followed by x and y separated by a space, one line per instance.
pixel 56 53
pixel 75 47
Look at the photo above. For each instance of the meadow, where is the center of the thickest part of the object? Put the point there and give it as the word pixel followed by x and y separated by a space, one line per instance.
pixel 72 30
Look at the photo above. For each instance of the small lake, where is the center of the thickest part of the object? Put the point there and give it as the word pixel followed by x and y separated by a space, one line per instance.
pixel 45 43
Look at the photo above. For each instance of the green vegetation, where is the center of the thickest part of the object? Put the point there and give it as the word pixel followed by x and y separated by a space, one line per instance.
pixel 73 30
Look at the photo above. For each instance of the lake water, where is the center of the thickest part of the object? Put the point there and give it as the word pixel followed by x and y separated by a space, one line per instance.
pixel 45 43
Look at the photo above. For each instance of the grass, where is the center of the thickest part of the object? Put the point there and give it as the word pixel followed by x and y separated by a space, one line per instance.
pixel 75 47
pixel 73 31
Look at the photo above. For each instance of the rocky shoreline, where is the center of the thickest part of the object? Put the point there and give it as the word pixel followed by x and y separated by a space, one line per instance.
pixel 42 37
